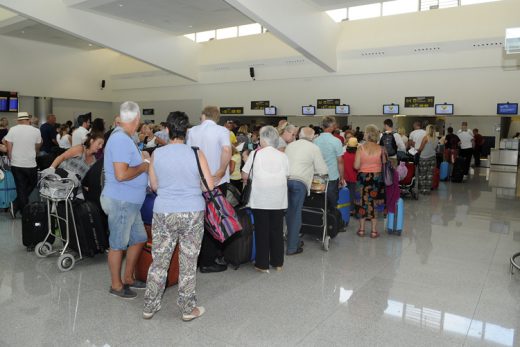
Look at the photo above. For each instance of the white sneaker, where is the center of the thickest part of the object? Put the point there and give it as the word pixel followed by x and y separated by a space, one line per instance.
pixel 190 317
pixel 149 315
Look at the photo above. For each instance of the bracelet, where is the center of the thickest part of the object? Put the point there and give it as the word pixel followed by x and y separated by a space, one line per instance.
pixel 146 161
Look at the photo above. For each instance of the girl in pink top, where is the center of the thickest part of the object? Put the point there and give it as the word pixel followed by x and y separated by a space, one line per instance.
pixel 369 181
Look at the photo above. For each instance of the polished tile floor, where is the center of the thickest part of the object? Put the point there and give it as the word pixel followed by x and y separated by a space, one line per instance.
pixel 445 282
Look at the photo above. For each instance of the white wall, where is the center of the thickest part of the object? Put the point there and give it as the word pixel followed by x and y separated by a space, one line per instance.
pixel 163 107
pixel 67 109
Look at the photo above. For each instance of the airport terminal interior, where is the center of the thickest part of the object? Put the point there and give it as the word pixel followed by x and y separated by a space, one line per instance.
pixel 447 280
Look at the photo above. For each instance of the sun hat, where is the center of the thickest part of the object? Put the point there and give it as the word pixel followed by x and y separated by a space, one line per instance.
pixel 352 142
pixel 23 116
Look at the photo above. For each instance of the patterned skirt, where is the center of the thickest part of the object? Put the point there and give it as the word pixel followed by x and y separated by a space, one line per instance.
pixel 370 197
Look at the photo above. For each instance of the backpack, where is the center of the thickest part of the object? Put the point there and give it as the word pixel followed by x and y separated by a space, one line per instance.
pixel 388 141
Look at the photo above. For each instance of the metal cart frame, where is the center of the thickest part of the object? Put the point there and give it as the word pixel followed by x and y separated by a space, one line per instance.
pixel 325 239
pixel 66 260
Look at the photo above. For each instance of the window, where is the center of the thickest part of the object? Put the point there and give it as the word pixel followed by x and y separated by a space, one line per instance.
pixel 190 36
pixel 249 29
pixel 364 11
pixel 338 15
pixel 204 36
pixel 227 33
pixel 400 6
pixel 431 4
pixel 472 2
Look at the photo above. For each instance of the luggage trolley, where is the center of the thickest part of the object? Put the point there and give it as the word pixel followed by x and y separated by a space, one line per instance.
pixel 58 190
pixel 314 206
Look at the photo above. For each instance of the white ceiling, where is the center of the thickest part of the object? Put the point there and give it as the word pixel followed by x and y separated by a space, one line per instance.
pixel 175 16
pixel 325 5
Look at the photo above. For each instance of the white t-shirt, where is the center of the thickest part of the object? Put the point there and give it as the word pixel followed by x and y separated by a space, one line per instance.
pixel 24 138
pixel 270 172
pixel 63 142
pixel 78 136
pixel 417 136
pixel 466 138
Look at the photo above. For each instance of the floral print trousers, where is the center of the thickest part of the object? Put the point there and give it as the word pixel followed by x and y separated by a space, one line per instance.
pixel 186 228
pixel 426 167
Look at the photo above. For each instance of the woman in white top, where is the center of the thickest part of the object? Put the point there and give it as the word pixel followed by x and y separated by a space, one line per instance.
pixel 269 169
pixel 63 137
pixel 149 140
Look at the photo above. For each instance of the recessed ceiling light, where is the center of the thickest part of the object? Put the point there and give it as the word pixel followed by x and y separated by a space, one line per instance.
pixel 190 26
pixel 121 5
pixel 90 45
pixel 23 32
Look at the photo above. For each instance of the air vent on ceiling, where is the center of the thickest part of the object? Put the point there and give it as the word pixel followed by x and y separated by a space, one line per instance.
pixel 426 49
pixel 257 65
pixel 295 61
pixel 373 54
pixel 221 68
pixel 487 44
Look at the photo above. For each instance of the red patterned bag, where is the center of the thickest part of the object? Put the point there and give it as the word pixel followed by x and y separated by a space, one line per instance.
pixel 220 219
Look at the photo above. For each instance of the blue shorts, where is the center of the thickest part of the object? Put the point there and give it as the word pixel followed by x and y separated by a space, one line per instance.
pixel 125 223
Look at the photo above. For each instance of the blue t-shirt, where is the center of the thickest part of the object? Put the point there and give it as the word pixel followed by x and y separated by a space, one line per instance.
pixel 120 148
pixel 331 149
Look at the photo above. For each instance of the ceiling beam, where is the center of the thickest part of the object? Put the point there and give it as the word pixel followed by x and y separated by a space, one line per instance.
pixel 309 31
pixel 175 54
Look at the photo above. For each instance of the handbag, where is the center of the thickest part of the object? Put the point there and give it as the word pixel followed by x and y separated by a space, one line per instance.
pixel 387 169
pixel 220 218
pixel 246 192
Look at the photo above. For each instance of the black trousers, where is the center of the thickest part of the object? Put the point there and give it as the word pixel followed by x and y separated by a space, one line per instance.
pixel 25 179
pixel 332 194
pixel 476 155
pixel 466 154
pixel 210 248
pixel 268 238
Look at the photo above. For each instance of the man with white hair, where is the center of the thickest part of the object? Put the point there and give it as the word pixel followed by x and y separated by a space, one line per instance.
pixel 126 180
pixel 287 135
pixel 305 160
pixel 214 141
pixel 23 141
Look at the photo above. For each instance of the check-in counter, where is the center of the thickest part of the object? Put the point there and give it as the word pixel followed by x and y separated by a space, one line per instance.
pixel 504 165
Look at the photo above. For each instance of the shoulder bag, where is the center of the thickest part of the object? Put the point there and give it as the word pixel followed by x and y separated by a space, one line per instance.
pixel 387 169
pixel 246 192
pixel 220 218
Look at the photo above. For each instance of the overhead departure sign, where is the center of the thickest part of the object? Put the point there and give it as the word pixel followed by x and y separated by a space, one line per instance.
pixel 260 105
pixel 419 101
pixel 231 110
pixel 328 103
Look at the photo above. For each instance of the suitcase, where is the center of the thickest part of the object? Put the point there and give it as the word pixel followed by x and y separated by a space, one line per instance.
pixel 92 234
pixel 444 171
pixel 344 205
pixel 457 175
pixel 435 178
pixel 93 182
pixel 312 219
pixel 395 221
pixel 147 208
pixel 238 249
pixel 35 224
pixel 7 190
pixel 145 261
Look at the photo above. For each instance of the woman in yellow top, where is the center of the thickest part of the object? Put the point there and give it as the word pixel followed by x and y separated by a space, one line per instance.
pixel 234 169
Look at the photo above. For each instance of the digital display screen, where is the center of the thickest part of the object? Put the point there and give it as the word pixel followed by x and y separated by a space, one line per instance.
pixel 390 109
pixel 270 111
pixel 507 108
pixel 444 109
pixel 343 109
pixel 13 104
pixel 3 104
pixel 308 110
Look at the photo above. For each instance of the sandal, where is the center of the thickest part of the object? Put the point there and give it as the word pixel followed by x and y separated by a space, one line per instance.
pixel 374 234
pixel 360 233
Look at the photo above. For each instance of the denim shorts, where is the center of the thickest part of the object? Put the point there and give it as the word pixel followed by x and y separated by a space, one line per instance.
pixel 125 223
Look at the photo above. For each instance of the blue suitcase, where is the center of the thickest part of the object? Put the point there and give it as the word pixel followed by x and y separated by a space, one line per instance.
pixel 395 221
pixel 444 171
pixel 147 208
pixel 344 204
pixel 7 190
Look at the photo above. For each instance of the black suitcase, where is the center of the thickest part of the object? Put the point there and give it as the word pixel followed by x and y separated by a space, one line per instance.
pixel 237 250
pixel 312 219
pixel 92 235
pixel 457 175
pixel 35 224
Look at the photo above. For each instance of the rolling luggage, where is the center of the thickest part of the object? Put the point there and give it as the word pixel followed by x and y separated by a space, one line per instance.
pixel 35 224
pixel 435 178
pixel 238 248
pixel 147 208
pixel 457 175
pixel 444 171
pixel 344 205
pixel 395 221
pixel 92 235
pixel 312 222
pixel 145 261
pixel 7 189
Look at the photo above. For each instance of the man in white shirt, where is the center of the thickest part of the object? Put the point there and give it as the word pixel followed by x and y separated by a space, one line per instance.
pixel 305 160
pixel 80 134
pixel 392 146
pixel 466 145
pixel 214 141
pixel 23 142
pixel 416 137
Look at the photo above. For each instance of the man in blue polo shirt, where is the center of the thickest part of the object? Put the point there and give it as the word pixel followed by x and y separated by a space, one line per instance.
pixel 332 151
pixel 126 179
